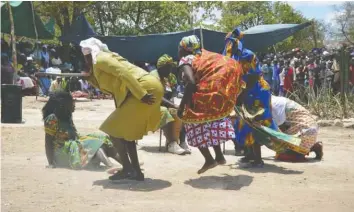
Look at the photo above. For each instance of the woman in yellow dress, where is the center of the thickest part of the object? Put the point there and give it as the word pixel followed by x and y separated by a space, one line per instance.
pixel 137 96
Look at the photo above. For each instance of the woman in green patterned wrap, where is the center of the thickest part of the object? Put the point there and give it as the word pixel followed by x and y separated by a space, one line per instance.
pixel 64 147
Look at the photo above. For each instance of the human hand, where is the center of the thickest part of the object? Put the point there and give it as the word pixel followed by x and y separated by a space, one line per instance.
pixel 180 112
pixel 148 99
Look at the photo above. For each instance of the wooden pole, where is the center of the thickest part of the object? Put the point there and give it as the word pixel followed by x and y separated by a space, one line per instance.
pixel 201 37
pixel 13 38
pixel 314 33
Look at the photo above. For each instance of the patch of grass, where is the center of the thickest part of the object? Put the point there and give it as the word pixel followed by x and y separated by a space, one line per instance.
pixel 325 104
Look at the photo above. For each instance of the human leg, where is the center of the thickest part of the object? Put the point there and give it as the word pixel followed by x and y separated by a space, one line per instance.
pixel 102 157
pixel 219 156
pixel 127 170
pixel 209 160
pixel 133 155
pixel 171 139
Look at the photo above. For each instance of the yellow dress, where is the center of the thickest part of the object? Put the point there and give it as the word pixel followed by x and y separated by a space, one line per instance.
pixel 132 119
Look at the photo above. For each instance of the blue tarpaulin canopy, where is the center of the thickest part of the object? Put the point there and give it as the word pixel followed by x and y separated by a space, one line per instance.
pixel 80 30
pixel 148 48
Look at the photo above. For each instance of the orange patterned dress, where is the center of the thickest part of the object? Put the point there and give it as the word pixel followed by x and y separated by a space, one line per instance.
pixel 218 80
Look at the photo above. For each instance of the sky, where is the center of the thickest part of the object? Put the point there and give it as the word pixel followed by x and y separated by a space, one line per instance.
pixel 322 10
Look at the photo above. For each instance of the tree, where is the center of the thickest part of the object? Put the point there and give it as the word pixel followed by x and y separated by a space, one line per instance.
pixel 64 13
pixel 245 14
pixel 139 18
pixel 249 14
pixel 345 20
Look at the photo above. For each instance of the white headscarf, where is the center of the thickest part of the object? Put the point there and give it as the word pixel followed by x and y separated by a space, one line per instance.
pixel 278 109
pixel 93 46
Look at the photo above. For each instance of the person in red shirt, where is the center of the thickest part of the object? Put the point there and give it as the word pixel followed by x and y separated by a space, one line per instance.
pixel 288 80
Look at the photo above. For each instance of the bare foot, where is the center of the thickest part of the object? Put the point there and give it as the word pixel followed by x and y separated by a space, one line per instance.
pixel 221 162
pixel 207 166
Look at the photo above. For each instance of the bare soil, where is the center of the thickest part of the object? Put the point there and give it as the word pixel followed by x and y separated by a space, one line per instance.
pixel 172 182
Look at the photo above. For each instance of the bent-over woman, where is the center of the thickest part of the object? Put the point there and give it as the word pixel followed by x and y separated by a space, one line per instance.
pixel 294 119
pixel 137 96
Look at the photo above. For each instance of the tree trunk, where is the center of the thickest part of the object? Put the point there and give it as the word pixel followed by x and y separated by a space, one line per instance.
pixel 100 19
pixel 13 38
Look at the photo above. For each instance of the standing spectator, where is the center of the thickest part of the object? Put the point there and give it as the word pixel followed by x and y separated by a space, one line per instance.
pixel 275 77
pixel 267 71
pixel 288 79
pixel 45 57
pixel 7 71
pixel 37 52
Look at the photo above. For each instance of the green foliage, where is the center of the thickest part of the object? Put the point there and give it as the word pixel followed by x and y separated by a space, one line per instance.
pixel 138 18
pixel 249 14
pixel 345 20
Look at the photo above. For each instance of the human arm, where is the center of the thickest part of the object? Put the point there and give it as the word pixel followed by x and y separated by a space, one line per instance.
pixel 189 89
pixel 165 102
pixel 49 150
pixel 50 128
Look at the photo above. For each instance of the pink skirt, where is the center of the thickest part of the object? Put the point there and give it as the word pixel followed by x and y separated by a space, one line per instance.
pixel 210 133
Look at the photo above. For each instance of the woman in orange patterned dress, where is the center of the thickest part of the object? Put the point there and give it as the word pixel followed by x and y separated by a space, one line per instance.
pixel 213 83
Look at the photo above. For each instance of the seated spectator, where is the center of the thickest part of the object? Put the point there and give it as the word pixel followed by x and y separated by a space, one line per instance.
pixel 84 85
pixel 7 70
pixel 30 68
pixel 56 61
pixel 56 85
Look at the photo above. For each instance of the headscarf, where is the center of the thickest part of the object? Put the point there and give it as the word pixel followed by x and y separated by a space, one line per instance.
pixel 164 60
pixel 233 44
pixel 191 44
pixel 93 46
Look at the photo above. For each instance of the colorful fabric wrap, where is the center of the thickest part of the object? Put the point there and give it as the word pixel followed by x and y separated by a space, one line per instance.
pixel 219 81
pixel 191 44
pixel 164 60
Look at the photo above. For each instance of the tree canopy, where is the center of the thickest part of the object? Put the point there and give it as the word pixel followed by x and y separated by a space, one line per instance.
pixel 139 18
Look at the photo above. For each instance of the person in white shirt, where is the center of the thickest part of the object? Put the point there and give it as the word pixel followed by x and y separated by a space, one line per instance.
pixel 56 61
pixel 293 119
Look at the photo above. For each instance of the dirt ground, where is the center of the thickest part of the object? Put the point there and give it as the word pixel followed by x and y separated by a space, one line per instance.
pixel 172 183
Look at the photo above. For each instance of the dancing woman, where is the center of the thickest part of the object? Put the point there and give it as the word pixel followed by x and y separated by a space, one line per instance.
pixel 213 83
pixel 255 96
pixel 137 95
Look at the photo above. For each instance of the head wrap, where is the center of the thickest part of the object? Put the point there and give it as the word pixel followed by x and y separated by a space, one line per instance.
pixel 191 44
pixel 164 60
pixel 93 46
pixel 233 44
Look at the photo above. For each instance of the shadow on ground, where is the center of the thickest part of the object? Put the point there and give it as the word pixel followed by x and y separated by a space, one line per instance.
pixel 146 186
pixel 153 149
pixel 266 169
pixel 226 182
